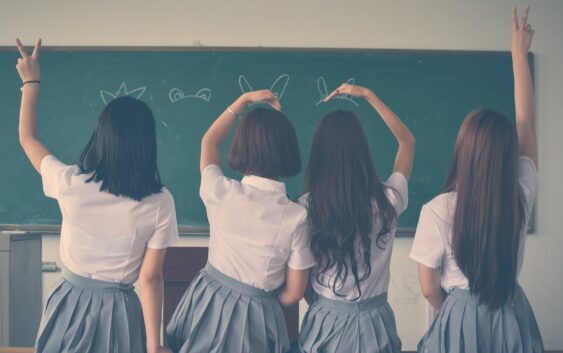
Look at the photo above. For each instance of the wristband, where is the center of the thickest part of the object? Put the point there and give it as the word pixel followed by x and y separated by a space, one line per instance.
pixel 30 81
pixel 233 113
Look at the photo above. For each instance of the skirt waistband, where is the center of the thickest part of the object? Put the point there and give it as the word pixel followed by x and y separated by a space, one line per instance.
pixel 465 294
pixel 94 284
pixel 234 284
pixel 361 305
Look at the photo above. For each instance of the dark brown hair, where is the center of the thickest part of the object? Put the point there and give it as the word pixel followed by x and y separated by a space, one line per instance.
pixel 265 144
pixel 345 199
pixel 489 213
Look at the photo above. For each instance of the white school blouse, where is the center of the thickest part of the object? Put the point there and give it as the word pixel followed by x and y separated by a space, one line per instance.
pixel 256 232
pixel 378 281
pixel 432 241
pixel 103 236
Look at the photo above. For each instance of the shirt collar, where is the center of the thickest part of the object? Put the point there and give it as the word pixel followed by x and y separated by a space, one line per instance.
pixel 264 183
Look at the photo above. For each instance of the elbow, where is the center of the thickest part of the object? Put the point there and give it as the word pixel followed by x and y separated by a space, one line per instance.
pixel 24 141
pixel 410 140
pixel 288 299
pixel 429 293
pixel 147 279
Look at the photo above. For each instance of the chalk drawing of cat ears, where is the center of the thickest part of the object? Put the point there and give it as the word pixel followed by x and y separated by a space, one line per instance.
pixel 176 95
pixel 108 96
pixel 323 91
pixel 278 87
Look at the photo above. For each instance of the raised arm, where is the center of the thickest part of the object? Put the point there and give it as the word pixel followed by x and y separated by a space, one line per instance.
pixel 522 34
pixel 214 137
pixel 405 153
pixel 28 69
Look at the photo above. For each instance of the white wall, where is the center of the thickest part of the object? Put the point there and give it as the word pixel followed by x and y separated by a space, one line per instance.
pixel 431 24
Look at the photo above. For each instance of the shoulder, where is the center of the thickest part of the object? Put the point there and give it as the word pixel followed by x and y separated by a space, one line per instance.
pixel 162 199
pixel 396 191
pixel 442 206
pixel 295 213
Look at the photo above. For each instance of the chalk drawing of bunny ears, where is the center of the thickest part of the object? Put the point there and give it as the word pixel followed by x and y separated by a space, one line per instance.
pixel 176 95
pixel 323 91
pixel 121 92
pixel 278 87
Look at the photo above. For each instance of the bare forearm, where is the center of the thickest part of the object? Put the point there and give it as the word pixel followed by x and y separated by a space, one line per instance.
pixel 151 302
pixel 216 134
pixel 524 104
pixel 437 298
pixel 28 113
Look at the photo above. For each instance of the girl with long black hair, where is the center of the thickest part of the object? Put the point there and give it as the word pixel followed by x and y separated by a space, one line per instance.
pixel 117 221
pixel 352 218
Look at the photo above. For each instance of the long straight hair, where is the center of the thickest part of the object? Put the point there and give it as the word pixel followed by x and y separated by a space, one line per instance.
pixel 489 212
pixel 345 198
pixel 121 153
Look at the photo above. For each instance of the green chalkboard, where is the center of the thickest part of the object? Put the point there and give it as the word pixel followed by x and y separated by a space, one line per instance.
pixel 187 89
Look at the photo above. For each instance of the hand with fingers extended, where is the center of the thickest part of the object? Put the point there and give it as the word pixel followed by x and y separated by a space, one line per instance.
pixel 262 96
pixel 522 33
pixel 28 66
pixel 352 90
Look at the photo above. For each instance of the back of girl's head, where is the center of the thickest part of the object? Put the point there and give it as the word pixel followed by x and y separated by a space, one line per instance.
pixel 344 195
pixel 121 153
pixel 488 218
pixel 265 144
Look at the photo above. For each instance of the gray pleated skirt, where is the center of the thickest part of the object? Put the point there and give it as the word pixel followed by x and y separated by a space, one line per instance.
pixel 85 315
pixel 220 314
pixel 367 326
pixel 462 325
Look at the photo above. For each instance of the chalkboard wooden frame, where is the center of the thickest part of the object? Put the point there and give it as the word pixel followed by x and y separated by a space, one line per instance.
pixel 204 230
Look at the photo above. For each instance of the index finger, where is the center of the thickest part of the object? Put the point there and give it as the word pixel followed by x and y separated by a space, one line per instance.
pixel 37 48
pixel 21 49
pixel 524 21
pixel 334 93
pixel 275 104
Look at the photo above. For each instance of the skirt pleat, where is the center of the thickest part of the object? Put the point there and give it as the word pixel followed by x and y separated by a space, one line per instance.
pixel 83 315
pixel 220 314
pixel 465 326
pixel 367 326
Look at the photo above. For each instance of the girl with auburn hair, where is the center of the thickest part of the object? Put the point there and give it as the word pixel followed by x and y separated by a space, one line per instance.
pixel 352 218
pixel 118 220
pixel 259 257
pixel 469 243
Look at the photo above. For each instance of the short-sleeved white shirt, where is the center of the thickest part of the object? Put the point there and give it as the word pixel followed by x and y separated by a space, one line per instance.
pixel 432 241
pixel 256 232
pixel 378 281
pixel 104 236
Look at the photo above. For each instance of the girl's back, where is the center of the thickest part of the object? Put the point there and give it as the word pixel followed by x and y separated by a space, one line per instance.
pixel 104 236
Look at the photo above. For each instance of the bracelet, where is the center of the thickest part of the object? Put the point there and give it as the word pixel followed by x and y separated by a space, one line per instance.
pixel 31 81
pixel 233 113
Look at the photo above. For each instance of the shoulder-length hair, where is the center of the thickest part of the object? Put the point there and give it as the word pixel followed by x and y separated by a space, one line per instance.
pixel 121 153
pixel 265 144
pixel 489 211
pixel 345 199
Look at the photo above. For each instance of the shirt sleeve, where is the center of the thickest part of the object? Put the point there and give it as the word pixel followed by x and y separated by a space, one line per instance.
pixel 214 185
pixel 398 194
pixel 528 180
pixel 428 247
pixel 166 232
pixel 53 175
pixel 301 257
